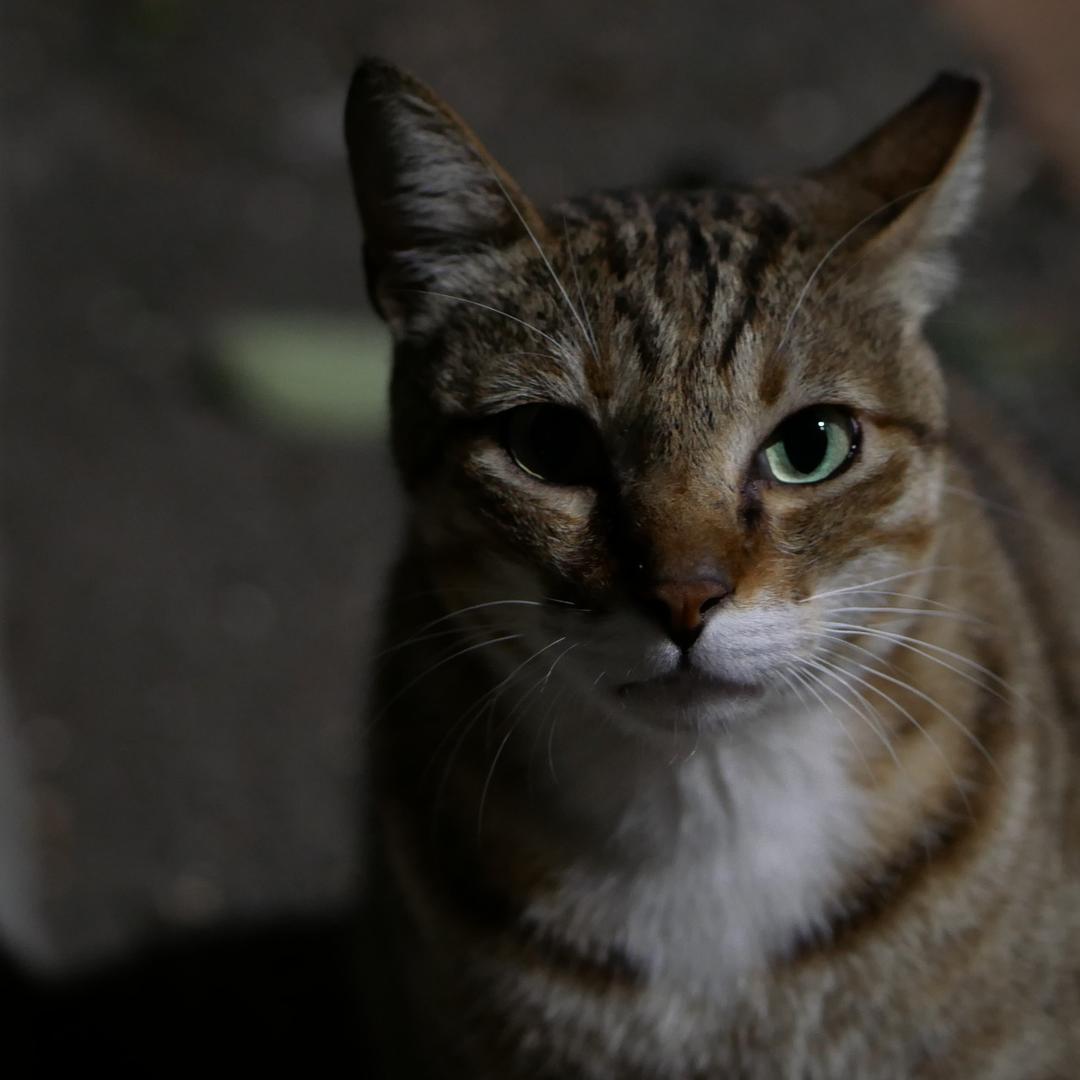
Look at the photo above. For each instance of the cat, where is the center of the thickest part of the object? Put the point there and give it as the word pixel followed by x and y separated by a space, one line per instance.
pixel 723 727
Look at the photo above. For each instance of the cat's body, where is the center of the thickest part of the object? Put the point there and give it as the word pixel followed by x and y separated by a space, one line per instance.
pixel 687 760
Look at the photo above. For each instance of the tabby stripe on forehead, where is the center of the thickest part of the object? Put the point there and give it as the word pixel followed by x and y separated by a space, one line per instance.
pixel 665 220
pixel 722 205
pixel 772 231
pixel 722 250
pixel 699 258
pixel 618 256
pixel 621 213
pixel 644 328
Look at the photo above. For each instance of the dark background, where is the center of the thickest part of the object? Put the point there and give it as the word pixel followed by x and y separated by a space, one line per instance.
pixel 191 580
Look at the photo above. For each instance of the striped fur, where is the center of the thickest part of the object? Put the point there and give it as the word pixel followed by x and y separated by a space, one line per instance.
pixel 844 846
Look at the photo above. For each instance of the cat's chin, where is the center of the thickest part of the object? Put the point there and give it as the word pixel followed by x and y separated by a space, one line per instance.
pixel 690 698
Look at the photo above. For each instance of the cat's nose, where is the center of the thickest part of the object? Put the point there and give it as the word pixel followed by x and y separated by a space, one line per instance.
pixel 684 606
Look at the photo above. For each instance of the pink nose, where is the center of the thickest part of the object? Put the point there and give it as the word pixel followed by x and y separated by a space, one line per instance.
pixel 683 606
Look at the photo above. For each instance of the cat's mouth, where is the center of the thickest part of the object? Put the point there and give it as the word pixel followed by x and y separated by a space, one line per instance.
pixel 686 685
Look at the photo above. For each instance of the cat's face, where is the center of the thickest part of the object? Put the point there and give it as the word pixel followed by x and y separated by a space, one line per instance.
pixel 673 478
pixel 651 438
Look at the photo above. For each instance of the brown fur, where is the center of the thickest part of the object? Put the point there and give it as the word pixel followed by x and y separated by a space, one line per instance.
pixel 686 327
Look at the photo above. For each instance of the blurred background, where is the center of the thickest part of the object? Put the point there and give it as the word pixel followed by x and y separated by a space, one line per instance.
pixel 197 508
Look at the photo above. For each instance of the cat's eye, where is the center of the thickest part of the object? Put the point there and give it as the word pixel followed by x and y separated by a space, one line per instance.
pixel 556 444
pixel 811 446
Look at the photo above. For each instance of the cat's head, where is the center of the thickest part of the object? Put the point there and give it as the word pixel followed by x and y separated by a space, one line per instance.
pixel 650 436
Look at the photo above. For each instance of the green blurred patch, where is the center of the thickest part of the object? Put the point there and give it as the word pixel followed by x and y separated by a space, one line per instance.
pixel 309 374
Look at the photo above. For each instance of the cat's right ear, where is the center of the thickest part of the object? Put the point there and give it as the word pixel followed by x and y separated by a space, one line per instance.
pixel 429 195
pixel 919 172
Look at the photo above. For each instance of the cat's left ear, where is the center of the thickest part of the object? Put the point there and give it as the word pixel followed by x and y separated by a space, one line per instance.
pixel 430 196
pixel 915 182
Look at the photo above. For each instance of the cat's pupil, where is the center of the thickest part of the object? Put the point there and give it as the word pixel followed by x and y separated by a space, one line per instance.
pixel 806 441
pixel 554 443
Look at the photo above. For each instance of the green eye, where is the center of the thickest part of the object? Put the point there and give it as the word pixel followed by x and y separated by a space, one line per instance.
pixel 812 445
pixel 555 444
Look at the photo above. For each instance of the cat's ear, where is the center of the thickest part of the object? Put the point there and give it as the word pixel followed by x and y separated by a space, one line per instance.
pixel 429 195
pixel 920 174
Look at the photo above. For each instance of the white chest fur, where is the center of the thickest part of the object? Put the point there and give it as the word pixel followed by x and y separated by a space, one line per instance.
pixel 713 863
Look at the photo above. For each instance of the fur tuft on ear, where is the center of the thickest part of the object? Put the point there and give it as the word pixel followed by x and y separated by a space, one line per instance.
pixel 919 173
pixel 427 191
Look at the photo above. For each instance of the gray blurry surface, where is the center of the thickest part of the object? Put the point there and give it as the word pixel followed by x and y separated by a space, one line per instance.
pixel 190 595
pixel 21 926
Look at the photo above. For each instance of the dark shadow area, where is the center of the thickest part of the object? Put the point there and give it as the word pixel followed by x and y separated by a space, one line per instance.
pixel 261 996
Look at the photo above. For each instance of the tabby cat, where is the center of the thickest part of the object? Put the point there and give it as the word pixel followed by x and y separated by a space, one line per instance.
pixel 724 729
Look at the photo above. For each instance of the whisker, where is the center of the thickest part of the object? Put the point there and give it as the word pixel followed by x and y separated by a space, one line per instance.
pixel 423 638
pixel 525 352
pixel 542 683
pixel 907 642
pixel 961 727
pixel 551 733
pixel 468 720
pixel 891 577
pixel 434 667
pixel 551 749
pixel 551 729
pixel 420 637
pixel 589 334
pixel 790 677
pixel 559 346
pixel 958 616
pixel 904 712
pixel 992 504
pixel 833 250
pixel 962 674
pixel 543 255
pixel 880 733
pixel 479 607
pixel 804 679
pixel 493 693
pixel 784 674
pixel 874 722
pixel 556 662
pixel 912 596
